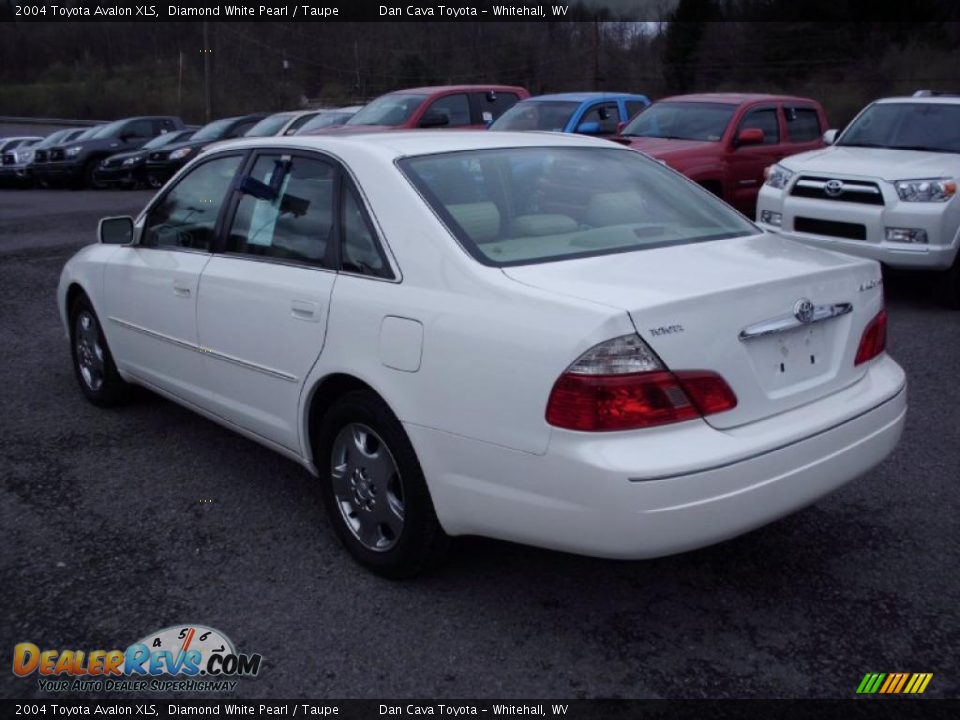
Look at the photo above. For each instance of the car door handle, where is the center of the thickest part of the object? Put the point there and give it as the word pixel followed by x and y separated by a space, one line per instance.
pixel 181 289
pixel 303 310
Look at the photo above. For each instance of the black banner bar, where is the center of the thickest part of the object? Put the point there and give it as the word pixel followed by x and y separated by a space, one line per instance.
pixel 461 709
pixel 479 10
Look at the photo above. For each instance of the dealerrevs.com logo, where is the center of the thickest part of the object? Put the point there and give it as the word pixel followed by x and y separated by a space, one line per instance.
pixel 178 658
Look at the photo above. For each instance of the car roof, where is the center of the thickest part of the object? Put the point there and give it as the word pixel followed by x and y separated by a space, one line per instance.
pixel 585 96
pixel 437 89
pixel 924 99
pixel 734 98
pixel 404 143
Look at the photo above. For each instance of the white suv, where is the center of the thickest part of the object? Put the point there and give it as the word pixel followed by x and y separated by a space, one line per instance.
pixel 886 189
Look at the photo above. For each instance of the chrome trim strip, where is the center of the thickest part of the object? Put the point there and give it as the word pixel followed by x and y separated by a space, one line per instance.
pixel 848 186
pixel 790 322
pixel 206 351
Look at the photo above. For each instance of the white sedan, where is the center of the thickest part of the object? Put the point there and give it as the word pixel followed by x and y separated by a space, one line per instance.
pixel 542 338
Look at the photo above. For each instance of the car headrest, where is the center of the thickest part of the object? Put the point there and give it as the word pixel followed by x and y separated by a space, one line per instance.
pixel 539 225
pixel 617 208
pixel 480 220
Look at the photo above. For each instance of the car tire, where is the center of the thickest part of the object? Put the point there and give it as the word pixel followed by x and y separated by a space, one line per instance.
pixel 92 361
pixel 90 176
pixel 374 489
pixel 948 286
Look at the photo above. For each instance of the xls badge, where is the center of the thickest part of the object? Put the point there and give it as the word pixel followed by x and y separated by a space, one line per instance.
pixel 198 658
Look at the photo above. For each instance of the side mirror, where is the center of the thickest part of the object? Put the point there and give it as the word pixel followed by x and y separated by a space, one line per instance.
pixel 830 136
pixel 116 230
pixel 434 119
pixel 750 136
pixel 589 128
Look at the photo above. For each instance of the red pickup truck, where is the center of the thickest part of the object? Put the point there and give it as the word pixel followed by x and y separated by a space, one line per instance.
pixel 446 106
pixel 724 141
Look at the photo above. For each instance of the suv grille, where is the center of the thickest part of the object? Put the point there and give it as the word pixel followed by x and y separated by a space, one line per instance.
pixel 8 158
pixel 56 154
pixel 40 156
pixel 853 231
pixel 855 191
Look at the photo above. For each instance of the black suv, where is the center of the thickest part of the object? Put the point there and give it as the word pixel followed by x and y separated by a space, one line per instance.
pixel 76 162
pixel 129 169
pixel 162 164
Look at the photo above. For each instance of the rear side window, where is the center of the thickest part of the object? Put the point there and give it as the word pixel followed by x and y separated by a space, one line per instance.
pixel 633 107
pixel 803 124
pixel 359 251
pixel 140 129
pixel 766 120
pixel 286 212
pixel 186 217
pixel 456 108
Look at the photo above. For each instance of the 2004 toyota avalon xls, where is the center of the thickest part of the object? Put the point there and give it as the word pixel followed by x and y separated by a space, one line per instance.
pixel 542 338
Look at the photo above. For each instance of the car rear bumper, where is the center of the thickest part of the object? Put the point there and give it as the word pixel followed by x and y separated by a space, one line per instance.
pixel 668 490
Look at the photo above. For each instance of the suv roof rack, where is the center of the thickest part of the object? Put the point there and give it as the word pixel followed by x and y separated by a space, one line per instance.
pixel 935 93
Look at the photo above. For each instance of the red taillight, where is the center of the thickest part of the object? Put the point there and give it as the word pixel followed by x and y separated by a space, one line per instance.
pixel 635 400
pixel 874 339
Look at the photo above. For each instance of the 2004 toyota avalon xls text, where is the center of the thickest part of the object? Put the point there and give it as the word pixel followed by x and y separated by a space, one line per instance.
pixel 541 338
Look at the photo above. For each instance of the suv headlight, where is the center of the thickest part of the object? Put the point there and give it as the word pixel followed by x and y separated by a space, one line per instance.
pixel 181 153
pixel 23 157
pixel 932 190
pixel 778 176
pixel 74 151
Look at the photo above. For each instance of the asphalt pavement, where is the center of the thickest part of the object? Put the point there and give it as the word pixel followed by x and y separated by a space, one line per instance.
pixel 120 522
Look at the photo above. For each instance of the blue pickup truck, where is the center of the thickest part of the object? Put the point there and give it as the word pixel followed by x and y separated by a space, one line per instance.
pixel 588 113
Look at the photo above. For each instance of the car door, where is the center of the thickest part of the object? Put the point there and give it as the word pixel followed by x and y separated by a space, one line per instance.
pixel 151 287
pixel 747 162
pixel 264 300
pixel 606 115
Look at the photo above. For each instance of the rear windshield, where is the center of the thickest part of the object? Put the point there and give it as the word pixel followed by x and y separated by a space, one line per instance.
pixel 519 206
pixel 682 121
pixel 537 115
pixel 269 126
pixel 393 109
pixel 906 126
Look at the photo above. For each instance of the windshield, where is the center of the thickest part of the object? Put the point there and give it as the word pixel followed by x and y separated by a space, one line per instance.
pixel 269 126
pixel 682 121
pixel 393 109
pixel 537 115
pixel 327 119
pixel 167 138
pixel 519 206
pixel 58 136
pixel 105 131
pixel 88 133
pixel 214 131
pixel 906 126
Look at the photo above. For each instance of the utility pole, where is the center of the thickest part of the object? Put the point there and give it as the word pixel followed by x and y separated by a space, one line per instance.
pixel 207 112
pixel 180 84
pixel 596 54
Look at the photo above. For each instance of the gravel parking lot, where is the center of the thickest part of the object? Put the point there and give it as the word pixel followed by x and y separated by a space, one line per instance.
pixel 108 537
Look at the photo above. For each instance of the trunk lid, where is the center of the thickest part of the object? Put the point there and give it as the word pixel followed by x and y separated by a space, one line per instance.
pixel 691 303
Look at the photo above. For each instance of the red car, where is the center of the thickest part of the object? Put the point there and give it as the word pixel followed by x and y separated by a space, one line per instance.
pixel 724 141
pixel 447 106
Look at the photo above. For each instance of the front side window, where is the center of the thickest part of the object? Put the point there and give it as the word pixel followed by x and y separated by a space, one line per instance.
pixel 934 127
pixel 139 129
pixel 803 125
pixel 528 205
pixel 392 110
pixel 607 116
pixel 286 213
pixel 456 108
pixel 186 217
pixel 537 115
pixel 493 104
pixel 682 121
pixel 765 120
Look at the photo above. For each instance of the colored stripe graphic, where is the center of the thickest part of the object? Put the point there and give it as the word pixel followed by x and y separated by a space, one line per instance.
pixel 894 683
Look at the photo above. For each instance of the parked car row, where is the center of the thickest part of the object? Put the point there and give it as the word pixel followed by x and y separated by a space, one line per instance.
pixel 885 190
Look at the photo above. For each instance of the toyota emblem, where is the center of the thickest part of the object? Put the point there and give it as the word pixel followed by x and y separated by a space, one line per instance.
pixel 833 188
pixel 803 310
